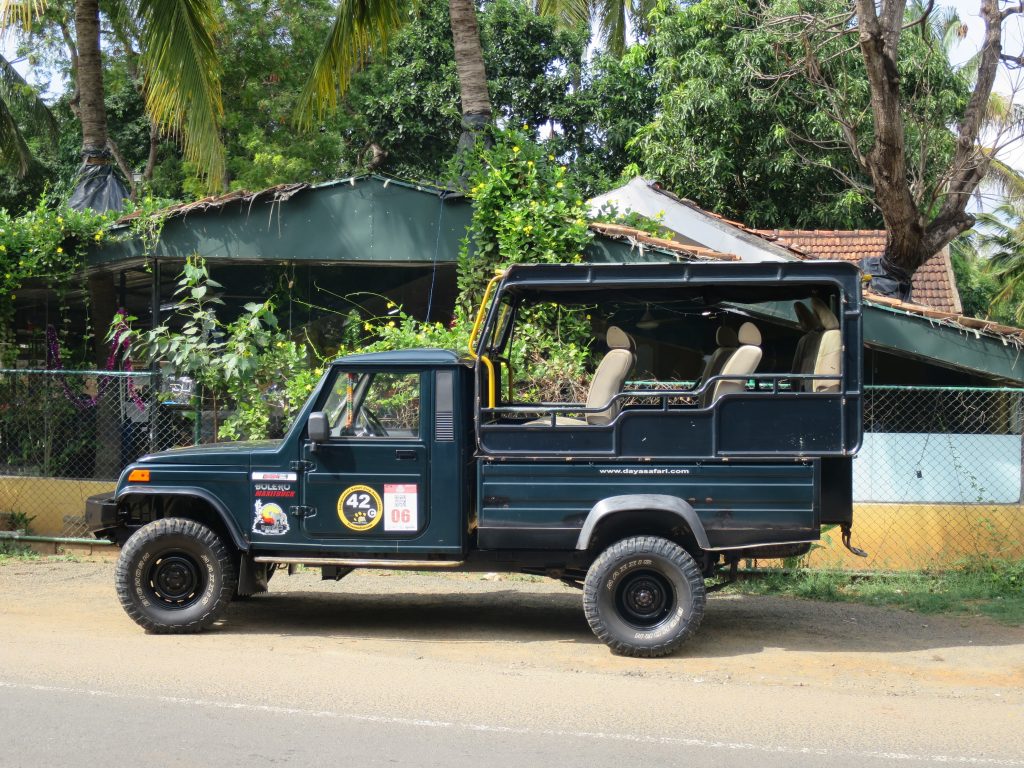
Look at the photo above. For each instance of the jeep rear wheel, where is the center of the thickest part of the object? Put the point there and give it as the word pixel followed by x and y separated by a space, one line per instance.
pixel 644 596
pixel 175 576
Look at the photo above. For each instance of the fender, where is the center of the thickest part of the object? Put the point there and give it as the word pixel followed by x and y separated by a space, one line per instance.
pixel 199 493
pixel 643 502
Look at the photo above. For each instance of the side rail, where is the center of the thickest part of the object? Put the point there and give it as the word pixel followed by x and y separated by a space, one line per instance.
pixel 766 415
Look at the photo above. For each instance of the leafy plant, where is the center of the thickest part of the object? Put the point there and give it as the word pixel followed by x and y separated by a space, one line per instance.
pixel 20 521
pixel 249 363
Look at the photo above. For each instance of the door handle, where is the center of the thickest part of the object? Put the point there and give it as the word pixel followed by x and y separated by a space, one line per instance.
pixel 407 454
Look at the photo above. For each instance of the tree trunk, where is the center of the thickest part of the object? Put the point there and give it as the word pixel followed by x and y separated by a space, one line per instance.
pixel 469 62
pixel 90 82
pixel 154 147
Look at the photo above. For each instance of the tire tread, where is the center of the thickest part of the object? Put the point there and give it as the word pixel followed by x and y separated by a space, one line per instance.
pixel 631 547
pixel 150 534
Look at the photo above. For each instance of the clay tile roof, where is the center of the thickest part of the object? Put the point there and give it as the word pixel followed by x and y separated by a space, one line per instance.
pixel 933 284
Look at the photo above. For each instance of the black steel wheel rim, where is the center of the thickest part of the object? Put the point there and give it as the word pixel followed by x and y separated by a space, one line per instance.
pixel 176 580
pixel 645 599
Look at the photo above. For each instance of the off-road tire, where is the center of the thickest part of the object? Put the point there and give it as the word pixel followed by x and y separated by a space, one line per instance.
pixel 644 596
pixel 175 576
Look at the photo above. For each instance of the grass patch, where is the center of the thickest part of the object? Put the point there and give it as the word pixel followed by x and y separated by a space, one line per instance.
pixel 979 586
pixel 15 550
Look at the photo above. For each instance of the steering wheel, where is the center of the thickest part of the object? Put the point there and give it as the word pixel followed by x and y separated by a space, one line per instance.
pixel 366 425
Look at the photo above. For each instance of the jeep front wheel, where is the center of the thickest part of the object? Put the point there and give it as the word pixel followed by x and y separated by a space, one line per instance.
pixel 175 576
pixel 644 596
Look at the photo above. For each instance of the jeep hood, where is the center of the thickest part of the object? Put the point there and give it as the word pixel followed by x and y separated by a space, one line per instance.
pixel 217 453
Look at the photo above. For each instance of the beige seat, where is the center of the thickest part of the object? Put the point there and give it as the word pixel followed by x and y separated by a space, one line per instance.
pixel 828 353
pixel 727 343
pixel 803 357
pixel 742 362
pixel 607 382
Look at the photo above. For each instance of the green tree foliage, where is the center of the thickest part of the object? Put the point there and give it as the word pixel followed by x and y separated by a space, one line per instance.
pixel 989 265
pixel 744 133
pixel 249 363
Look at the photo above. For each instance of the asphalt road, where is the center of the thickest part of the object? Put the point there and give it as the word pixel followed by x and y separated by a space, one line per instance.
pixel 459 671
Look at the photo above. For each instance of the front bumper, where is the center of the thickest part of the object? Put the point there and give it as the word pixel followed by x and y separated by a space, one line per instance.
pixel 101 516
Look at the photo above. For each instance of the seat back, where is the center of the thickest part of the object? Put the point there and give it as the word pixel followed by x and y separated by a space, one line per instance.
pixel 828 353
pixel 611 375
pixel 726 341
pixel 742 362
pixel 806 347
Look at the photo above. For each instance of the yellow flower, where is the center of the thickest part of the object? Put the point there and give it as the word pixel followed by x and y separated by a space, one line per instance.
pixel 3 249
pixel 391 323
pixel 60 250
pixel 529 163
pixel 98 236
pixel 367 327
pixel 527 229
pixel 515 150
pixel 551 157
pixel 391 305
pixel 559 185
pixel 60 220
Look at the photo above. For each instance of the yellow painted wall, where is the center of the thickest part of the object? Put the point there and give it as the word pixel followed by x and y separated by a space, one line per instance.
pixel 915 536
pixel 49 499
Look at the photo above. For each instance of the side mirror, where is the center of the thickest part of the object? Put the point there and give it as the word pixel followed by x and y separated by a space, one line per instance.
pixel 318 428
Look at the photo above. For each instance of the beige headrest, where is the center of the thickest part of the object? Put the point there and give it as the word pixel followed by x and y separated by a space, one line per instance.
pixel 616 338
pixel 824 314
pixel 726 337
pixel 807 319
pixel 749 335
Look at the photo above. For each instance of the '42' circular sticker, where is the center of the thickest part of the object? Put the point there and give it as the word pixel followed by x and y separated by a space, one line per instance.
pixel 359 507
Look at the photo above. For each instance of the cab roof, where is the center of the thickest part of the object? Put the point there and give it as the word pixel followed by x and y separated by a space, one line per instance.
pixel 407 357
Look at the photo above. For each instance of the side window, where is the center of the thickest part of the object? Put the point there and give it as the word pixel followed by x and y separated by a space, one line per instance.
pixel 374 405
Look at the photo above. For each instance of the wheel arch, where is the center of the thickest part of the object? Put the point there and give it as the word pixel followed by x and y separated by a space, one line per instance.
pixel 190 503
pixel 642 513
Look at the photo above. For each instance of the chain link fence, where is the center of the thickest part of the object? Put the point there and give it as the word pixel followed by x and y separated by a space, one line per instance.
pixel 66 435
pixel 938 478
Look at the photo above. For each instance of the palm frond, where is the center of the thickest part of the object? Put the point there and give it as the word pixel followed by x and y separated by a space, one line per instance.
pixel 570 13
pixel 1007 181
pixel 15 156
pixel 612 20
pixel 23 99
pixel 182 78
pixel 20 13
pixel 359 27
pixel 19 103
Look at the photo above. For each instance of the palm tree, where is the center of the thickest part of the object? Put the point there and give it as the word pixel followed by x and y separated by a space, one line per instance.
pixel 20 105
pixel 616 21
pixel 361 26
pixel 180 71
pixel 999 234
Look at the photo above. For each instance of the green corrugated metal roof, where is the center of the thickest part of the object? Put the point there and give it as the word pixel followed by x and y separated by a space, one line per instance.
pixel 364 219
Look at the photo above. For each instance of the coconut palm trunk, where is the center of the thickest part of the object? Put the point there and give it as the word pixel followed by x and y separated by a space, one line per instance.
pixel 98 186
pixel 90 82
pixel 469 63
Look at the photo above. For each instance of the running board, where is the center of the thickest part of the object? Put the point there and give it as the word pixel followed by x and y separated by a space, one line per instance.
pixel 358 562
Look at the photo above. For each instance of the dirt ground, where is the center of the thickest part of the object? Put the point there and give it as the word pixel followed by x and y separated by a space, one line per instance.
pixel 60 621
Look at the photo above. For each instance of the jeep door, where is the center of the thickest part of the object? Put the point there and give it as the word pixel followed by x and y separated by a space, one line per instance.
pixel 366 487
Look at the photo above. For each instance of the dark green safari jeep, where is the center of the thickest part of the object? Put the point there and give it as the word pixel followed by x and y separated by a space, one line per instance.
pixel 719 425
